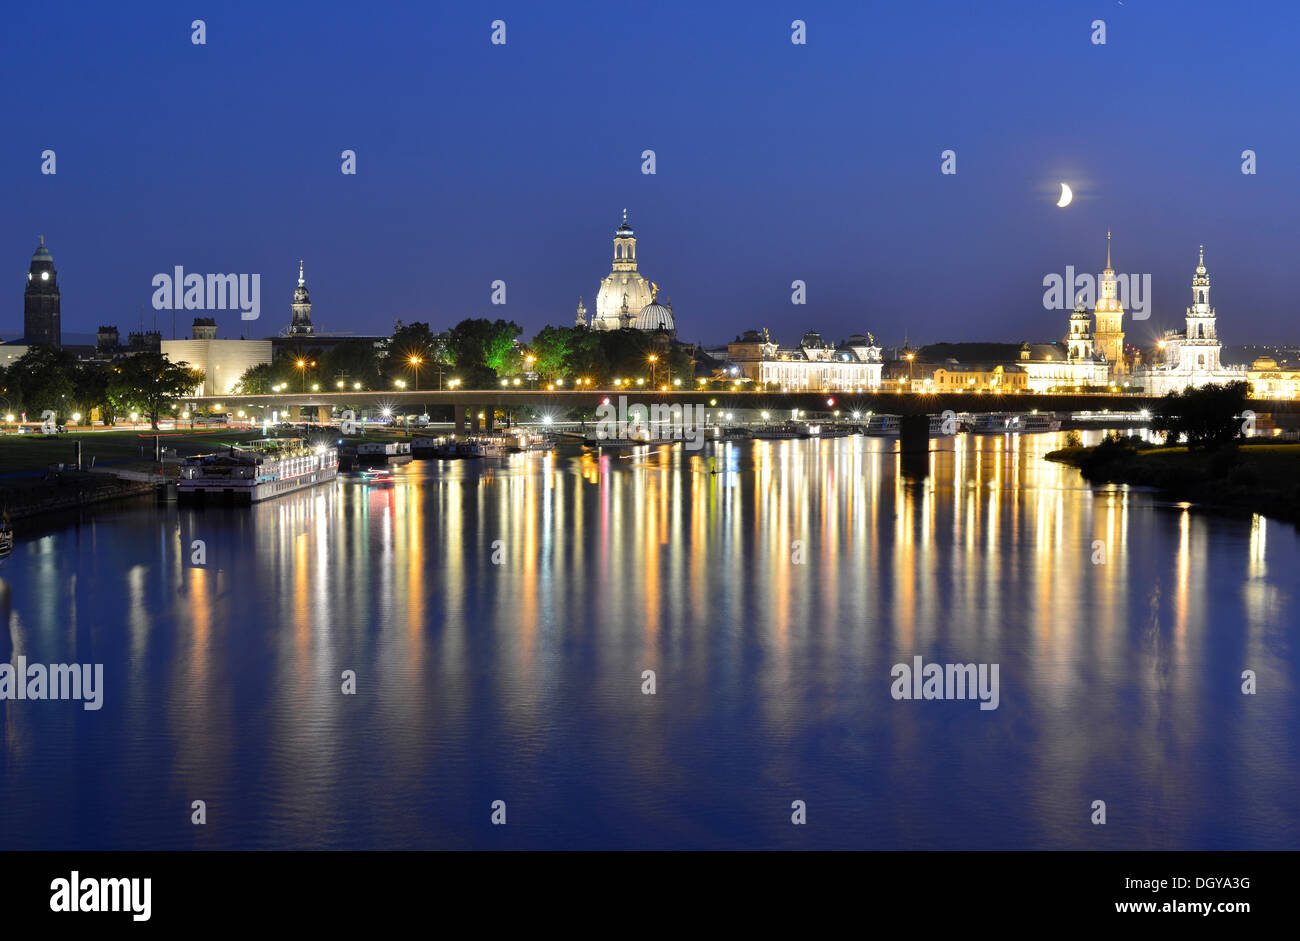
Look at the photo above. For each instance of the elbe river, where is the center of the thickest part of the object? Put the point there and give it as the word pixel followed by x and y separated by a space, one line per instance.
pixel 499 617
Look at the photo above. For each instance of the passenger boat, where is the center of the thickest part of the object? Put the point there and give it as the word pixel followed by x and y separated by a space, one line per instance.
pixel 256 471
pixel 1040 423
pixel 779 432
pixel 1014 424
pixel 730 433
pixel 887 426
pixel 6 537
pixel 837 431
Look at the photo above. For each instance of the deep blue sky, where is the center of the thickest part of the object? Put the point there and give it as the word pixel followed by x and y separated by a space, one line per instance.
pixel 775 161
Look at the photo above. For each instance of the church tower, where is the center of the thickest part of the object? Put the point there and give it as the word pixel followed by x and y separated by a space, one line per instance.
pixel 1080 337
pixel 581 319
pixel 1199 350
pixel 1109 314
pixel 41 301
pixel 301 323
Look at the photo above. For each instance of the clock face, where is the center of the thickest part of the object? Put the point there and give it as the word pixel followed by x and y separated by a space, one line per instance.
pixel 45 276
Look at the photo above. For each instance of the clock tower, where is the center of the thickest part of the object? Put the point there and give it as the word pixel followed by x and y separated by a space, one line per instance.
pixel 41 301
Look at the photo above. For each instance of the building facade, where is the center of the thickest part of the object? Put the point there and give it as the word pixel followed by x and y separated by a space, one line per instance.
pixel 811 366
pixel 223 362
pixel 1268 379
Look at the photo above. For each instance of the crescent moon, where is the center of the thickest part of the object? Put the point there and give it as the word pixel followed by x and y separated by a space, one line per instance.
pixel 1066 195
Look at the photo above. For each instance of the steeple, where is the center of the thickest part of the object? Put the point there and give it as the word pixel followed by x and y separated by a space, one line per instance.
pixel 1108 330
pixel 300 324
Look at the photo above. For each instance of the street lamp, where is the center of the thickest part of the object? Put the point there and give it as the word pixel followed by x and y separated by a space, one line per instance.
pixel 654 360
pixel 415 363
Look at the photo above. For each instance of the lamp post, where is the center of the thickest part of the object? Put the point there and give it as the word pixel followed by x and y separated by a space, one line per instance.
pixel 910 357
pixel 415 364
pixel 654 361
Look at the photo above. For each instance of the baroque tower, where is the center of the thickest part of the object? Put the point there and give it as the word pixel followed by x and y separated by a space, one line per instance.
pixel 301 323
pixel 1080 336
pixel 1200 347
pixel 1109 314
pixel 41 301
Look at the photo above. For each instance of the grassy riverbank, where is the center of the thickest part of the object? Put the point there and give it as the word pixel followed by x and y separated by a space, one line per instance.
pixel 21 454
pixel 1259 477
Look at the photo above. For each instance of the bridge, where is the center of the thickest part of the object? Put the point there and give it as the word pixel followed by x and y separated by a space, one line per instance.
pixel 475 408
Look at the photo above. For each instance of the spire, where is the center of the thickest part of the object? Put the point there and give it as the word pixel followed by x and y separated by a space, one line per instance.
pixel 1108 249
pixel 1202 262
pixel 625 217
pixel 300 279
pixel 42 238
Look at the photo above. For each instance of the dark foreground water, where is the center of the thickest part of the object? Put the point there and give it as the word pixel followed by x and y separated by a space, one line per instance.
pixel 522 681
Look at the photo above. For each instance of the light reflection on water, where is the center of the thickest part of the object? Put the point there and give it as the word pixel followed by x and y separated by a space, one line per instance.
pixel 521 681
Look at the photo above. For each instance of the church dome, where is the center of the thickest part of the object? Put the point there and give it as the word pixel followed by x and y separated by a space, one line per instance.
pixel 655 317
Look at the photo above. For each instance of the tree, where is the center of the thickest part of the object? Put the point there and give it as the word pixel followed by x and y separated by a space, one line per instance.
pixel 350 362
pixel 91 383
pixel 42 378
pixel 149 382
pixel 551 350
pixel 262 378
pixel 480 347
pixel 1209 417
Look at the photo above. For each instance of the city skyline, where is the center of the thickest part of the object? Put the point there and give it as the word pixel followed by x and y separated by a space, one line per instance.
pixel 440 207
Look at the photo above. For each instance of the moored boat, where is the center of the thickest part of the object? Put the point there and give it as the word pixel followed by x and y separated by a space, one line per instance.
pixel 256 471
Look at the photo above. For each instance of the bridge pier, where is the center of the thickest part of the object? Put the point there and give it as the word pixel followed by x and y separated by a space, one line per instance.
pixel 461 424
pixel 914 434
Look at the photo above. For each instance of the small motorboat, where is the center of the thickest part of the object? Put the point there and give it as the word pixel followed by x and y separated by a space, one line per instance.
pixel 377 475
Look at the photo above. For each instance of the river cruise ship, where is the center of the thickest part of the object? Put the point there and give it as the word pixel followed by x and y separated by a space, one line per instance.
pixel 256 470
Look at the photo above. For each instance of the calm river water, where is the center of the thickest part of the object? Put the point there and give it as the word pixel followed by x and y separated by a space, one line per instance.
pixel 499 617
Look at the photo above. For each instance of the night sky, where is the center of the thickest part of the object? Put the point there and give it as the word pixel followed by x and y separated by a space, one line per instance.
pixel 775 161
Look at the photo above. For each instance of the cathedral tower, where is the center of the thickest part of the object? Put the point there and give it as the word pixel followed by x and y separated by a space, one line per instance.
pixel 1109 314
pixel 41 301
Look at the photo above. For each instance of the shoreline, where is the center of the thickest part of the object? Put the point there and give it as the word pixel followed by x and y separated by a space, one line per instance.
pixel 1261 478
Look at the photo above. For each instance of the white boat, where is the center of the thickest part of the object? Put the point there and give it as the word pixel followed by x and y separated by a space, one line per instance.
pixel 1038 423
pixel 887 426
pixel 256 471
pixel 1004 423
